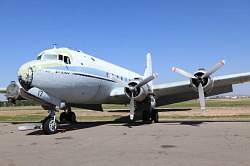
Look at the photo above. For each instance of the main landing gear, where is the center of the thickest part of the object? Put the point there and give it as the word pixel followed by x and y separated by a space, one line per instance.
pixel 50 124
pixel 149 114
pixel 68 116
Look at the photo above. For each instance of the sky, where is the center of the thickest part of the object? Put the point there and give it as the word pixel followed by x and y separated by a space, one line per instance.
pixel 185 33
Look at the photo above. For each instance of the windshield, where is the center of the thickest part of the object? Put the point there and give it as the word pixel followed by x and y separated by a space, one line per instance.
pixel 39 57
pixel 47 57
pixel 59 57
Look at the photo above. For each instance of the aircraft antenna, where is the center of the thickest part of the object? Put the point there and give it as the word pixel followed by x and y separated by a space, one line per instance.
pixel 54 45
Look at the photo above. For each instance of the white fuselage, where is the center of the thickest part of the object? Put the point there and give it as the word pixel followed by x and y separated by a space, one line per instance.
pixel 74 77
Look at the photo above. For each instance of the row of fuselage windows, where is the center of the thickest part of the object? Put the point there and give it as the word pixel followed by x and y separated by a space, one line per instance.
pixel 111 75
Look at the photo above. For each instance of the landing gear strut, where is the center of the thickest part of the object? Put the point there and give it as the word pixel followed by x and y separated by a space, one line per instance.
pixel 149 114
pixel 155 116
pixel 68 116
pixel 49 124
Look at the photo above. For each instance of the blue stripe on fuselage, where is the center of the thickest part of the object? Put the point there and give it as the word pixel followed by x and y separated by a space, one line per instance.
pixel 78 69
pixel 92 72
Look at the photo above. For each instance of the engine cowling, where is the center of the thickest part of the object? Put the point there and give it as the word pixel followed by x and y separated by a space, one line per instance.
pixel 207 82
pixel 139 94
pixel 13 92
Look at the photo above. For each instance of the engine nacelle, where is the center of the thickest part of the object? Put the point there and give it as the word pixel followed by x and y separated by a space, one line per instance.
pixel 13 93
pixel 207 83
pixel 140 93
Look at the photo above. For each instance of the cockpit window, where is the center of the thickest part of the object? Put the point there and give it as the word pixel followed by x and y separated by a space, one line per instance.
pixel 49 57
pixel 66 60
pixel 60 57
pixel 39 57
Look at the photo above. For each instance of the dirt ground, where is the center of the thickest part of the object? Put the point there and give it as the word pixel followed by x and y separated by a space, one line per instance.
pixel 226 111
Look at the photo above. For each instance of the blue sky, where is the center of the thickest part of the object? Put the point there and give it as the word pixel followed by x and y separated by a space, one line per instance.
pixel 188 34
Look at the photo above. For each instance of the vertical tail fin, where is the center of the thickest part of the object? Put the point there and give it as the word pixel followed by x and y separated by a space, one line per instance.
pixel 149 68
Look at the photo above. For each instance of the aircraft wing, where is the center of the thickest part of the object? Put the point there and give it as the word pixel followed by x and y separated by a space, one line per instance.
pixel 175 92
pixel 3 90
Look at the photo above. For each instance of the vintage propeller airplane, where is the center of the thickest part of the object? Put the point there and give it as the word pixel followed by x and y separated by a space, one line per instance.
pixel 62 78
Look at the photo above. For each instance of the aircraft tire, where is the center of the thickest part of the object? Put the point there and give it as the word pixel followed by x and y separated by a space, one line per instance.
pixel 71 117
pixel 63 117
pixel 145 116
pixel 155 116
pixel 49 126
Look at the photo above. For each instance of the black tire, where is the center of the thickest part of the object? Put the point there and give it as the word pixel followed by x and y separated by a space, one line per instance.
pixel 63 117
pixel 49 126
pixel 145 116
pixel 71 117
pixel 155 116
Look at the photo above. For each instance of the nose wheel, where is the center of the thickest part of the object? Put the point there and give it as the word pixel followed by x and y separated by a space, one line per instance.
pixel 49 124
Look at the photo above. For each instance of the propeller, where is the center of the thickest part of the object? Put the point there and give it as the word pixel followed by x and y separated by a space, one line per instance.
pixel 146 80
pixel 132 107
pixel 183 72
pixel 200 80
pixel 133 90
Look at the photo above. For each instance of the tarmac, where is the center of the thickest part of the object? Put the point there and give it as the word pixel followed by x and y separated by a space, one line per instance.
pixel 113 144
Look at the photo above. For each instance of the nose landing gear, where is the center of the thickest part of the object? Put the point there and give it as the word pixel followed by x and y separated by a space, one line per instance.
pixel 49 124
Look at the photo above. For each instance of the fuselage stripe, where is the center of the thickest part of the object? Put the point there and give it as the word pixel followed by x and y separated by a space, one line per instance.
pixel 91 76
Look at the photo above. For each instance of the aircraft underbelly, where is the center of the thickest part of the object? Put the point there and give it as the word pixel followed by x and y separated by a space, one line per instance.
pixel 71 88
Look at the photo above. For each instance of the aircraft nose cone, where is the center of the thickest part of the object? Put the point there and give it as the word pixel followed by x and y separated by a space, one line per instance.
pixel 25 76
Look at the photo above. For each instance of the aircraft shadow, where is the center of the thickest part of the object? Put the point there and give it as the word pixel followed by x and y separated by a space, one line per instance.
pixel 123 121
pixel 158 109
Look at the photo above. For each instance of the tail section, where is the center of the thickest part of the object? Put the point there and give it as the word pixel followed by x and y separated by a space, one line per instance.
pixel 149 68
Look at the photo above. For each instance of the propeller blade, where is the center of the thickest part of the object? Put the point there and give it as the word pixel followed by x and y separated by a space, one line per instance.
pixel 214 69
pixel 146 80
pixel 202 98
pixel 182 72
pixel 132 107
